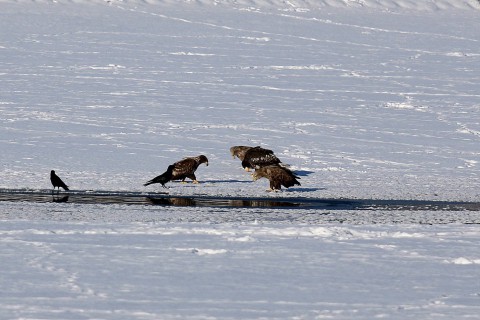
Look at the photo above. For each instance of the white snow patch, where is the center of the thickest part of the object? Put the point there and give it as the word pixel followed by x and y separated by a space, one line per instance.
pixel 463 261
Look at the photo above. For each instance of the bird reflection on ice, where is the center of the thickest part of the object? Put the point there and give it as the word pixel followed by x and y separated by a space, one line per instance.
pixel 164 199
pixel 60 199
pixel 191 202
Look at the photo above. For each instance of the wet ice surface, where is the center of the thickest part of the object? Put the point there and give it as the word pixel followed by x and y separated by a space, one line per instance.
pixel 243 209
pixel 160 208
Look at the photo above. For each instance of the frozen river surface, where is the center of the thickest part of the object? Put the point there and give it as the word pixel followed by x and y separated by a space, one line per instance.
pixel 371 102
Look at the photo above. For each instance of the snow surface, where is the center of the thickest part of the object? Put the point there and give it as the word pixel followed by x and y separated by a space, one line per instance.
pixel 364 99
pixel 362 103
pixel 97 270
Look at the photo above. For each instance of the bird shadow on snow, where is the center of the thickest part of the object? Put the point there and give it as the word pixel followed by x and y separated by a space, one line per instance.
pixel 295 189
pixel 303 173
pixel 226 181
pixel 299 173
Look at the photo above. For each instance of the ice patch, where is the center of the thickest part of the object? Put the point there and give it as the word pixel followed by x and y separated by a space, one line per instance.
pixel 260 39
pixel 241 239
pixel 405 106
pixel 205 252
pixel 461 54
pixel 463 261
pixel 182 53
pixel 300 67
pixel 466 130
pixel 332 169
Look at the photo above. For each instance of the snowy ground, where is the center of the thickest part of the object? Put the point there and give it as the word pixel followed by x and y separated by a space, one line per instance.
pixel 364 99
pixel 90 270
pixel 362 102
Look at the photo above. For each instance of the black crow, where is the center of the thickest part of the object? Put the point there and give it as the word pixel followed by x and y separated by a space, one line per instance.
pixel 57 182
pixel 163 178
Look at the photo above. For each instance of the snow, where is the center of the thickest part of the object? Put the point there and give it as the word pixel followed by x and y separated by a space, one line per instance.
pixel 365 99
pixel 113 98
pixel 157 270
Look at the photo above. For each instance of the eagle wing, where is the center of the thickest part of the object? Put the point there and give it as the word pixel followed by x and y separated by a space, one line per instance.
pixel 287 178
pixel 259 157
pixel 184 168
pixel 278 176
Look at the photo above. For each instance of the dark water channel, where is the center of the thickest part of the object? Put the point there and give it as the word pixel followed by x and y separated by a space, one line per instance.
pixel 161 199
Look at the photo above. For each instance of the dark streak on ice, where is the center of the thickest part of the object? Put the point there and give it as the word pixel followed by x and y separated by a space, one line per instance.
pixel 165 199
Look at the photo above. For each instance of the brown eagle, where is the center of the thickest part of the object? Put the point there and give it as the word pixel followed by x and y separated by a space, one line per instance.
pixel 277 175
pixel 239 151
pixel 258 157
pixel 57 182
pixel 180 170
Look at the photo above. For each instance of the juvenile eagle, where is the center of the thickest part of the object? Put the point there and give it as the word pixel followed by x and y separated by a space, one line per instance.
pixel 180 170
pixel 239 151
pixel 258 157
pixel 278 176
pixel 57 182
